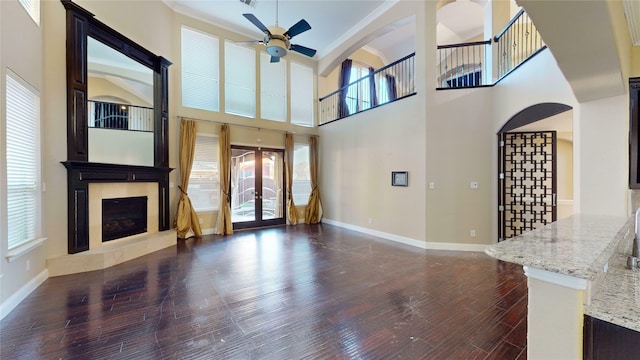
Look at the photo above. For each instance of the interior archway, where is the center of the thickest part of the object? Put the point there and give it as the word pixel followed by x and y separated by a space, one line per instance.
pixel 535 162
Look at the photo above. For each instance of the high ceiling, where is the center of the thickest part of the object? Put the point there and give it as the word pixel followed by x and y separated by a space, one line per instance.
pixel 331 20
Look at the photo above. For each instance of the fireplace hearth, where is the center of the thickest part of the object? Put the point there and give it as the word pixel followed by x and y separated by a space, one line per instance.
pixel 122 217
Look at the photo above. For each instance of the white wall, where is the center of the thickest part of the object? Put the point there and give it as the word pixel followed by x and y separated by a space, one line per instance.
pixel 453 133
pixel 23 55
pixel 603 156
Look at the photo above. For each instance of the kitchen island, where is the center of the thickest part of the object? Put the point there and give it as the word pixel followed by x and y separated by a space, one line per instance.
pixel 567 267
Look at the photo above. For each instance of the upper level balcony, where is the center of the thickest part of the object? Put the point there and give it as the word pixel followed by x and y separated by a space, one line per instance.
pixel 464 65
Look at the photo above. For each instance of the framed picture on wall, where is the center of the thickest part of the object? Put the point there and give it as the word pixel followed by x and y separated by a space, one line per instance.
pixel 399 178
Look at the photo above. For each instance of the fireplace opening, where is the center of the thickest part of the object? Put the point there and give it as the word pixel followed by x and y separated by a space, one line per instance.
pixel 123 217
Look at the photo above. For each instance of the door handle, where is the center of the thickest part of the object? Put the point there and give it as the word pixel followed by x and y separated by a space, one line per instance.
pixel 554 197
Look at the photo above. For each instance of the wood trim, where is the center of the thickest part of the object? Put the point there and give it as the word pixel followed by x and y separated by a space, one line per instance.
pixel 80 172
pixel 634 133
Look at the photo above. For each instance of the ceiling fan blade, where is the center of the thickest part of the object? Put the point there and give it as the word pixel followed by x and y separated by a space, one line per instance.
pixel 303 50
pixel 298 28
pixel 254 20
pixel 251 42
pixel 275 59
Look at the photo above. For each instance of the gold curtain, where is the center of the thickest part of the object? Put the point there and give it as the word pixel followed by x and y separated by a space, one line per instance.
pixel 186 218
pixel 292 212
pixel 224 225
pixel 313 213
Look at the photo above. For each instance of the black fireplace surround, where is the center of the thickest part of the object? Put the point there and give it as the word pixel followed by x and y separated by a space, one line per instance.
pixel 80 171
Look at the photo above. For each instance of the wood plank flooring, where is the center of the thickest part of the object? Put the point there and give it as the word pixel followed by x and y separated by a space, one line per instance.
pixel 302 292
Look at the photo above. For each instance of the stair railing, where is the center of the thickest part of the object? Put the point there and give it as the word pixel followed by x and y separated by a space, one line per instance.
pixel 516 43
pixel 472 64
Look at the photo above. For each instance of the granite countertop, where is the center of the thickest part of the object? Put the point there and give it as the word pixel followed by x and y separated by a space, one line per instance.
pixel 578 246
pixel 582 246
pixel 616 298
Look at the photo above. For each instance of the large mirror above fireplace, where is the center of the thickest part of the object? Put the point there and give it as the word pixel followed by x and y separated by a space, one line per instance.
pixel 120 107
pixel 112 136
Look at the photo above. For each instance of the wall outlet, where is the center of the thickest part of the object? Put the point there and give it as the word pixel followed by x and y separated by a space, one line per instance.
pixel 474 185
pixel 369 220
pixel 432 185
pixel 472 233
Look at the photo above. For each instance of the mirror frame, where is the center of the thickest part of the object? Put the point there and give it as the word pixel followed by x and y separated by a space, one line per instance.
pixel 80 24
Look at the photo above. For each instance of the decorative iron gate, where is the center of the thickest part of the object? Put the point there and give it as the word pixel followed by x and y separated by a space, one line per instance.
pixel 527 185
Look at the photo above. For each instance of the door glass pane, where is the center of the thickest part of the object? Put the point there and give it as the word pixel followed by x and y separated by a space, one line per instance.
pixel 272 185
pixel 243 185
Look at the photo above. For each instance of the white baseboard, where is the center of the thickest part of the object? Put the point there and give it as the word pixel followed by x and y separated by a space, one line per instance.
pixel 409 241
pixel 22 293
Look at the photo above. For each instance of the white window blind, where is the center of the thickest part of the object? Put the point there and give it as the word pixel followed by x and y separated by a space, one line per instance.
pixel 33 8
pixel 301 187
pixel 23 161
pixel 239 80
pixel 204 181
pixel 273 89
pixel 301 94
pixel 200 70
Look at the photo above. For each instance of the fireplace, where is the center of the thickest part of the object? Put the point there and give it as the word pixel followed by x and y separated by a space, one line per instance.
pixel 122 217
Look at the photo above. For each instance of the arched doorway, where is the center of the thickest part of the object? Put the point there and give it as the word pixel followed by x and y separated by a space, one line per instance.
pixel 528 158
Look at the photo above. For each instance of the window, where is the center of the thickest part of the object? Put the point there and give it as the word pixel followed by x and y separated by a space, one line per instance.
pixel 301 95
pixel 22 161
pixel 33 8
pixel 200 70
pixel 239 80
pixel 358 95
pixel 273 88
pixel 204 181
pixel 301 187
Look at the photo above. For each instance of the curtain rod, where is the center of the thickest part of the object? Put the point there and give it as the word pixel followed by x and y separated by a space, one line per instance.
pixel 240 125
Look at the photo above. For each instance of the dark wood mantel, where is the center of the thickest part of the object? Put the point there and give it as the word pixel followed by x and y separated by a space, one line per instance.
pixel 80 174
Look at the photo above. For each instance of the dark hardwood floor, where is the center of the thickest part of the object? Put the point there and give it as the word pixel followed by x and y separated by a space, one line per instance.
pixel 303 292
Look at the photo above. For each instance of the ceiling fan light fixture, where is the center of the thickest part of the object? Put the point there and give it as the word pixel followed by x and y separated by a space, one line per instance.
pixel 277 48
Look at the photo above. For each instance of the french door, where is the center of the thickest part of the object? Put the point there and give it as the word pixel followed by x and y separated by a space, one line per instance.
pixel 528 181
pixel 257 187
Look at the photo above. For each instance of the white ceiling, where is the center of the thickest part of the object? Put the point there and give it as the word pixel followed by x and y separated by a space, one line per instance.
pixel 331 20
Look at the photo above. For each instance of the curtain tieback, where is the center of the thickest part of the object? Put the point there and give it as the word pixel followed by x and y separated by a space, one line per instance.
pixel 183 192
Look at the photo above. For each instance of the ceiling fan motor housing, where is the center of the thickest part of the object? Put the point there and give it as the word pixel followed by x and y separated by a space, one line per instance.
pixel 277 45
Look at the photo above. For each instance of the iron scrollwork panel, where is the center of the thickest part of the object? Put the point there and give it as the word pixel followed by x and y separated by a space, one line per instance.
pixel 529 197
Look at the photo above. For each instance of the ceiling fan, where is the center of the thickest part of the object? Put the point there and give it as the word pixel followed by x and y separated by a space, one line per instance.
pixel 277 40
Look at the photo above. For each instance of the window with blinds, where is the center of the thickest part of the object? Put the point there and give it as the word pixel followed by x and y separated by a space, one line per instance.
pixel 33 8
pixel 273 88
pixel 301 94
pixel 22 161
pixel 204 181
pixel 239 80
pixel 200 70
pixel 301 186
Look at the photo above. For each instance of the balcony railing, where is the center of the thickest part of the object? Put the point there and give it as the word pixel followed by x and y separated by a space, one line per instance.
pixel 462 65
pixel 472 64
pixel 120 116
pixel 385 85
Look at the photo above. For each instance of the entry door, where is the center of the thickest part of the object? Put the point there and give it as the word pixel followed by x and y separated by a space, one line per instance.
pixel 527 182
pixel 257 187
